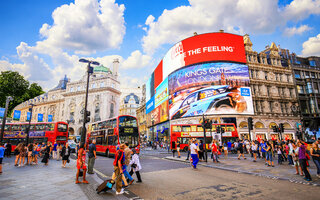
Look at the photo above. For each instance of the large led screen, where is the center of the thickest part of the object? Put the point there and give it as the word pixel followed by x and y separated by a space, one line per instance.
pixel 210 88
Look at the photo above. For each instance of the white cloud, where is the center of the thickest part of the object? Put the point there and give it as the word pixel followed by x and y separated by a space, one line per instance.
pixel 136 60
pixel 86 26
pixel 235 16
pixel 296 30
pixel 301 9
pixel 311 47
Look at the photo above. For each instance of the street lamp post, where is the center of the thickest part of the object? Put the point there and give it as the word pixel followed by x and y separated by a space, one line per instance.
pixel 85 113
pixel 28 130
pixel 9 98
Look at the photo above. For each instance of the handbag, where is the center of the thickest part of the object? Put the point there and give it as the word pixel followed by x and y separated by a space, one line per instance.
pixel 80 173
pixel 134 165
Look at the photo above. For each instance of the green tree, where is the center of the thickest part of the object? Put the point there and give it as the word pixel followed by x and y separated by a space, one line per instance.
pixel 13 84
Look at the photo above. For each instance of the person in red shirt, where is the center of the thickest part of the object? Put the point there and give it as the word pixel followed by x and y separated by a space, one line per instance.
pixel 117 164
pixel 214 149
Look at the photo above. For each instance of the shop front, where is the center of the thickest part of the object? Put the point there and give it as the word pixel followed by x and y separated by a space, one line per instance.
pixel 288 136
pixel 244 136
pixel 261 136
pixel 274 136
pixel 162 132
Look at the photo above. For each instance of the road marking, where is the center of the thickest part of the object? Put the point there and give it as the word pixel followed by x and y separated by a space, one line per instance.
pixel 100 173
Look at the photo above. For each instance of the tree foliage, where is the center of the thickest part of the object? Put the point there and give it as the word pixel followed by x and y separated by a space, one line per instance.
pixel 13 84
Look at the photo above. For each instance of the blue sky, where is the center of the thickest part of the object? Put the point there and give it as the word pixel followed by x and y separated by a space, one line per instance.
pixel 43 40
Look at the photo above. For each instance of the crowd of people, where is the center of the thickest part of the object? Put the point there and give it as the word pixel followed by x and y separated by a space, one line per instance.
pixel 31 153
pixel 294 152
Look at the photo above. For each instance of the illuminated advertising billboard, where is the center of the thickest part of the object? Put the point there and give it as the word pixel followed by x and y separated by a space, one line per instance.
pixel 210 88
pixel 203 74
pixel 204 48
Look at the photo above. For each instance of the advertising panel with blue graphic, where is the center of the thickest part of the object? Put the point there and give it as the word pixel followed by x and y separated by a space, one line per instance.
pixel 162 93
pixel 49 118
pixel 150 105
pixel 210 88
pixel 28 116
pixel 16 115
pixel 40 117
pixel 2 110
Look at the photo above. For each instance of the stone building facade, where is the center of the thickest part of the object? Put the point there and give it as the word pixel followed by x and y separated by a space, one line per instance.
pixel 273 92
pixel 66 101
pixel 141 115
pixel 130 101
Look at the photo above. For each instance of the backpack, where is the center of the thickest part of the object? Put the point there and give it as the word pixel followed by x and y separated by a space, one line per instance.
pixel 117 158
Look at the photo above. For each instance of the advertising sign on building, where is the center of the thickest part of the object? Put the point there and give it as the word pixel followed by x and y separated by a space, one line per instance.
pixel 150 105
pixel 49 118
pixel 40 117
pixel 2 110
pixel 162 93
pixel 210 88
pixel 16 115
pixel 204 48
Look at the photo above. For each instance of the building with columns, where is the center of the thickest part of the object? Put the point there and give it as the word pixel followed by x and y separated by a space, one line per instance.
pixel 130 100
pixel 66 101
pixel 141 115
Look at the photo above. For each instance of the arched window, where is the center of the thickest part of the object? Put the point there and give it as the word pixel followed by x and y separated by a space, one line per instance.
pixel 97 112
pixel 287 126
pixel 259 125
pixel 243 125
pixel 272 124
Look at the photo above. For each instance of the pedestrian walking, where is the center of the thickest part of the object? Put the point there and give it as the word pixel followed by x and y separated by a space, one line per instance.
pixel 2 150
pixel 117 164
pixel 303 160
pixel 254 147
pixel 30 154
pixel 92 156
pixel 315 154
pixel 135 165
pixel 173 145
pixel 127 154
pixel 36 150
pixel 241 147
pixel 214 150
pixel 201 154
pixel 194 154
pixel 22 155
pixel 189 143
pixel 54 150
pixel 178 149
pixel 65 153
pixel 280 156
pixel 59 149
pixel 8 150
pixel 294 153
pixel 81 164
pixel 16 152
pixel 263 151
pixel 269 151
pixel 46 151
pixel 225 149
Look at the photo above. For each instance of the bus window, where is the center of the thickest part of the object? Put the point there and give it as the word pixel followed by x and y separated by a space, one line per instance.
pixel 230 128
pixel 114 123
pixel 110 132
pixel 61 138
pixel 176 128
pixel 24 127
pixel 50 127
pixel 112 140
pixel 62 127
pixel 14 141
pixel 186 129
pixel 32 127
pixel 99 140
pixel 15 127
pixel 200 129
pixel 7 127
pixel 102 125
pixel 40 127
pixel 127 121
pixel 193 128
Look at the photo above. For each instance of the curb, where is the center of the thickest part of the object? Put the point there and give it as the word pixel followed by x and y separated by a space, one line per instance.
pixel 249 173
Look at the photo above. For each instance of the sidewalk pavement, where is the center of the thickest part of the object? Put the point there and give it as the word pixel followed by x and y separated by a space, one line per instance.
pixel 280 172
pixel 48 182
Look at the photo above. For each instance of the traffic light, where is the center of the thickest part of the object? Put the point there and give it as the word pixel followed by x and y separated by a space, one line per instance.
pixel 218 129
pixel 250 123
pixel 274 129
pixel 87 116
pixel 207 124
pixel 281 128
pixel 221 130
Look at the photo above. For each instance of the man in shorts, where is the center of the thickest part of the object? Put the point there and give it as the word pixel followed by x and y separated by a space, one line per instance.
pixel 2 150
pixel 263 148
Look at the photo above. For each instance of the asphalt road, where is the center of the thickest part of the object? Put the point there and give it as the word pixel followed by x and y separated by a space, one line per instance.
pixel 164 179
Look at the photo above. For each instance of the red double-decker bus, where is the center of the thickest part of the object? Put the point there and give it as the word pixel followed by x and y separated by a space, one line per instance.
pixel 112 132
pixel 184 132
pixel 16 133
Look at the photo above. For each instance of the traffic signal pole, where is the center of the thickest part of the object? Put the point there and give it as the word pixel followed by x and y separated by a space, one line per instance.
pixel 205 137
pixel 84 131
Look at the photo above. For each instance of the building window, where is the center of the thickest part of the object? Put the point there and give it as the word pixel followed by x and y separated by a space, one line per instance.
pixel 270 106
pixel 102 84
pixel 268 90
pixel 312 106
pixel 79 88
pixel 266 75
pixel 312 63
pixel 97 112
pixel 93 85
pixel 307 74
pixel 300 89
pixel 252 73
pixel 313 75
pixel 111 110
pixel 71 89
pixel 304 107
pixel 315 87
pixel 309 87
pixel 297 74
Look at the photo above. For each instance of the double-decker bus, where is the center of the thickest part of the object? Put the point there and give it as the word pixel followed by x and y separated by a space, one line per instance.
pixel 16 133
pixel 109 133
pixel 184 132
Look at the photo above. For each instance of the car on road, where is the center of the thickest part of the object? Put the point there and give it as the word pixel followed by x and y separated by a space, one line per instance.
pixel 214 99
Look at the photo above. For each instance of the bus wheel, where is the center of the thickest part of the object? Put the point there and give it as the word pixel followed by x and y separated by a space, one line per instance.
pixel 107 153
pixel 185 149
